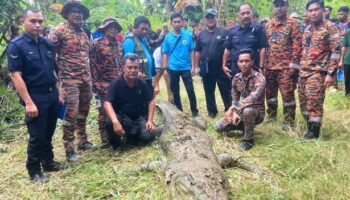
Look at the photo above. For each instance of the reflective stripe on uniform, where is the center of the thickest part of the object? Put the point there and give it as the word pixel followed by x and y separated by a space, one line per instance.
pixel 288 104
pixel 315 119
pixel 272 101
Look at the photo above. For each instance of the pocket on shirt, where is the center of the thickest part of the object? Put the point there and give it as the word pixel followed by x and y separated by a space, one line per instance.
pixel 32 57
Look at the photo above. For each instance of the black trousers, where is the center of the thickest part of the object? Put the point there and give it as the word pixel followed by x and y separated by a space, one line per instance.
pixel 135 131
pixel 224 84
pixel 175 88
pixel 150 86
pixel 41 130
pixel 347 79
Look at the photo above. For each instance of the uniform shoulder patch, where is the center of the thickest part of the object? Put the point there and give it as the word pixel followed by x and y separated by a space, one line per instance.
pixel 16 39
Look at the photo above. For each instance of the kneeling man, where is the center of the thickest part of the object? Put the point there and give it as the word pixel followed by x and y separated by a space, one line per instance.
pixel 129 106
pixel 247 110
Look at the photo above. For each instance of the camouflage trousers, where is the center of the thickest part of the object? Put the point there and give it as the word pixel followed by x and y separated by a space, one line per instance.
pixel 250 117
pixel 284 81
pixel 311 92
pixel 77 97
pixel 102 116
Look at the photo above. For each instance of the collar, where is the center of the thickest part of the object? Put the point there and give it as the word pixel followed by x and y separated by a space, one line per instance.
pixel 253 73
pixel 312 26
pixel 250 26
pixel 73 28
pixel 279 23
pixel 181 32
pixel 126 84
pixel 31 40
pixel 108 42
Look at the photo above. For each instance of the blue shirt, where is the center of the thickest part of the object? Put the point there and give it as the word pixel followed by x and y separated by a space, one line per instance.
pixel 251 37
pixel 97 34
pixel 34 59
pixel 180 58
pixel 129 47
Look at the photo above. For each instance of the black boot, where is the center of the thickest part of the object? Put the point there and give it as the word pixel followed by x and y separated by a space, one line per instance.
pixel 313 131
pixel 53 166
pixel 246 145
pixel 39 178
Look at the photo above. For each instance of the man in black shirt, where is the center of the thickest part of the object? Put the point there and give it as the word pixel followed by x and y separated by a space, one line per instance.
pixel 32 67
pixel 208 57
pixel 245 36
pixel 129 106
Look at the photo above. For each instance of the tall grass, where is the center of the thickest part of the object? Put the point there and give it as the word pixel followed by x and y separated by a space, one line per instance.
pixel 300 170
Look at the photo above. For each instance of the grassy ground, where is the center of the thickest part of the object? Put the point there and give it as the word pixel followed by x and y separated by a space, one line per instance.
pixel 311 170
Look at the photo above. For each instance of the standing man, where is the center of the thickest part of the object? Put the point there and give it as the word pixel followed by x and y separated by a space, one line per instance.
pixel 208 55
pixel 245 36
pixel 248 93
pixel 283 61
pixel 320 56
pixel 136 42
pixel 72 47
pixel 105 56
pixel 178 57
pixel 343 25
pixel 31 66
pixel 130 107
pixel 327 14
pixel 345 61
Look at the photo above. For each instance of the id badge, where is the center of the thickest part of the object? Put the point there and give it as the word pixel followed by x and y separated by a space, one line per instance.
pixel 308 41
pixel 274 36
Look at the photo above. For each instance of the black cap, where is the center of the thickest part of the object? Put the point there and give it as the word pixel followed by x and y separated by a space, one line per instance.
pixel 210 11
pixel 280 2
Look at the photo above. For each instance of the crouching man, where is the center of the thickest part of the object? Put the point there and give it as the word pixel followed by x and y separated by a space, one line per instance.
pixel 129 106
pixel 247 110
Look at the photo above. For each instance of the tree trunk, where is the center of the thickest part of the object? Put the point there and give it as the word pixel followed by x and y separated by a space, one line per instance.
pixel 192 168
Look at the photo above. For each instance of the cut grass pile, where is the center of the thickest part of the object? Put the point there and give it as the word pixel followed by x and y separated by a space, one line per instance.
pixel 300 170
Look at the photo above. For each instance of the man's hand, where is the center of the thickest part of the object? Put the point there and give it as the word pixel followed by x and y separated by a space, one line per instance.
pixel 61 99
pixel 150 126
pixel 227 72
pixel 341 64
pixel 156 90
pixel 228 113
pixel 235 118
pixel 193 71
pixel 165 73
pixel 31 110
pixel 329 81
pixel 118 129
pixel 262 70
pixel 142 75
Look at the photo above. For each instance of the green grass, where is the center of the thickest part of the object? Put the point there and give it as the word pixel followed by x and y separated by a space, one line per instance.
pixel 300 170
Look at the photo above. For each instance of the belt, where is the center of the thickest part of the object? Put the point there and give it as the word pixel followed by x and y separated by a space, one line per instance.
pixel 42 90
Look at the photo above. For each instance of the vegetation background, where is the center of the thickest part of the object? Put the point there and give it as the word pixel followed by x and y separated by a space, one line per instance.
pixel 312 170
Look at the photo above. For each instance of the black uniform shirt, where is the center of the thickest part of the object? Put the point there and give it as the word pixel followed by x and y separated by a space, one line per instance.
pixel 215 53
pixel 250 37
pixel 130 101
pixel 34 60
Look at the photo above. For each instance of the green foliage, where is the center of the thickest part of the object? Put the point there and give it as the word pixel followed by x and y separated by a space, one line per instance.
pixel 11 114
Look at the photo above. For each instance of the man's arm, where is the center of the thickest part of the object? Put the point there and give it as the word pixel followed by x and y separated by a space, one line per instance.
pixel 334 43
pixel 21 88
pixel 94 64
pixel 262 56
pixel 193 69
pixel 59 89
pixel 343 52
pixel 224 63
pixel 296 47
pixel 111 114
pixel 197 56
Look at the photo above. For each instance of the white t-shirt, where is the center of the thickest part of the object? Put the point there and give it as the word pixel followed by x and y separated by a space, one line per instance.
pixel 157 55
